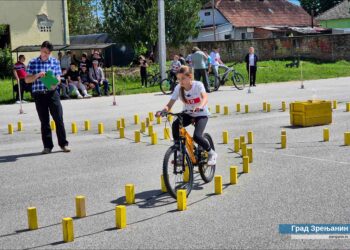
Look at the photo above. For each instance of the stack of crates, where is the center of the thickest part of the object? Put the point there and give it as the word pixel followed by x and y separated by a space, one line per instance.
pixel 311 113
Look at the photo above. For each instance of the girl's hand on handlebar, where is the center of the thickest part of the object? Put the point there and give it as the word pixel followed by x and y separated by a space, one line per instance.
pixel 161 113
pixel 198 109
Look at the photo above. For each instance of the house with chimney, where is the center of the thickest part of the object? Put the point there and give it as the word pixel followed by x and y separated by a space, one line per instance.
pixel 253 19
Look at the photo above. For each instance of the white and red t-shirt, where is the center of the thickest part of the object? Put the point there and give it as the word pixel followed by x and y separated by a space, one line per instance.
pixel 193 98
pixel 20 69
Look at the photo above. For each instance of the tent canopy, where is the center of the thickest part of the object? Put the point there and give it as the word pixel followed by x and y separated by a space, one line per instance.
pixel 88 46
pixel 36 48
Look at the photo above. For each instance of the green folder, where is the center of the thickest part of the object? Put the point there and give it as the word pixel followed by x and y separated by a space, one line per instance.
pixel 49 80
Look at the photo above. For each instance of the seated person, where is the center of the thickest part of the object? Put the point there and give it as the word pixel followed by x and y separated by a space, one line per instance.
pixel 63 85
pixel 85 78
pixel 97 77
pixel 75 81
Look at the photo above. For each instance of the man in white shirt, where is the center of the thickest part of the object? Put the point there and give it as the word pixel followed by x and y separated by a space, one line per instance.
pixel 215 63
pixel 252 65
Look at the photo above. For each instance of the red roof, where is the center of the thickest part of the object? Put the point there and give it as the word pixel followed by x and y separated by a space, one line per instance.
pixel 258 13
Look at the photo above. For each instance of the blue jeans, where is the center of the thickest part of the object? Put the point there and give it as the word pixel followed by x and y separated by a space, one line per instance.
pixel 105 87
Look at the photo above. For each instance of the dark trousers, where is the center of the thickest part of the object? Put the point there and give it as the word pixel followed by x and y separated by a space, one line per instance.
pixel 200 124
pixel 202 74
pixel 46 104
pixel 252 75
pixel 23 86
pixel 105 87
pixel 144 80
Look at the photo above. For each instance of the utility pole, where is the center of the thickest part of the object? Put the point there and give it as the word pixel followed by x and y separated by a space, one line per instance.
pixel 214 25
pixel 161 38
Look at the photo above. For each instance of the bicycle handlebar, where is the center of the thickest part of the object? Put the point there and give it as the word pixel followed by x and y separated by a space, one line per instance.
pixel 232 65
pixel 165 113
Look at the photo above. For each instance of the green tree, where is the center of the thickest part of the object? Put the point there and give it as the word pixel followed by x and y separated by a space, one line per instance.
pixel 5 51
pixel 136 22
pixel 82 17
pixel 318 6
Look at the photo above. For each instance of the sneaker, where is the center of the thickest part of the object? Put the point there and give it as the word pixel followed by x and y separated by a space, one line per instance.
pixel 46 151
pixel 66 149
pixel 80 97
pixel 87 96
pixel 212 158
pixel 18 102
pixel 23 101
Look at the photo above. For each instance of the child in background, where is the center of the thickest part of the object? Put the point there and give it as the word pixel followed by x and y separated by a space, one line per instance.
pixel 143 71
pixel 174 67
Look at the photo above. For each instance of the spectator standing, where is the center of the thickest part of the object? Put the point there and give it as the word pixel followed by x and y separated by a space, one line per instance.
pixel 252 65
pixel 66 60
pixel 19 72
pixel 59 56
pixel 47 100
pixel 216 62
pixel 208 63
pixel 199 62
pixel 143 71
pixel 97 77
pixel 97 56
pixel 189 60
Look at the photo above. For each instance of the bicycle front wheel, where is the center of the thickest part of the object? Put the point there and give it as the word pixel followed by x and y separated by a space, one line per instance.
pixel 177 172
pixel 238 81
pixel 207 172
pixel 166 86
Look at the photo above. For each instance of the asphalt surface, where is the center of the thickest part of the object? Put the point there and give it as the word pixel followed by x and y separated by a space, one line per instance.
pixel 306 183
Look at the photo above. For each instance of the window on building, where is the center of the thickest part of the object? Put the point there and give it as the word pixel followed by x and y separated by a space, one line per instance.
pixel 207 13
pixel 244 36
pixel 228 36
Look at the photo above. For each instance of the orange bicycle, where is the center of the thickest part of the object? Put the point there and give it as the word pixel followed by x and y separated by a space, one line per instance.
pixel 181 159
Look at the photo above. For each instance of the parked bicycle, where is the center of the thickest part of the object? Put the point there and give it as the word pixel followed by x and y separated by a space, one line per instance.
pixel 230 74
pixel 168 84
pixel 181 159
pixel 153 79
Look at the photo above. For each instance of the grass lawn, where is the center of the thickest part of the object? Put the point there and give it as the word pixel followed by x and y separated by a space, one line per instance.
pixel 268 71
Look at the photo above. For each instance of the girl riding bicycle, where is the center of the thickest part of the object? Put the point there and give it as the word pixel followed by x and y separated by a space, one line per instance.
pixel 195 98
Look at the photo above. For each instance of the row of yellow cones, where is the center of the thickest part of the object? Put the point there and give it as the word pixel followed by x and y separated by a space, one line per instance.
pixel 120 210
pixel 151 118
pixel 267 107
pixel 240 142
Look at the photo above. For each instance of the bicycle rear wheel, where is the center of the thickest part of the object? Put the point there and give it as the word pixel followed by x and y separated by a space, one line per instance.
pixel 238 81
pixel 166 86
pixel 207 172
pixel 176 174
pixel 150 80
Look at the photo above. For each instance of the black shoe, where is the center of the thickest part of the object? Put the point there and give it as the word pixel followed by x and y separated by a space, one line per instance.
pixel 46 151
